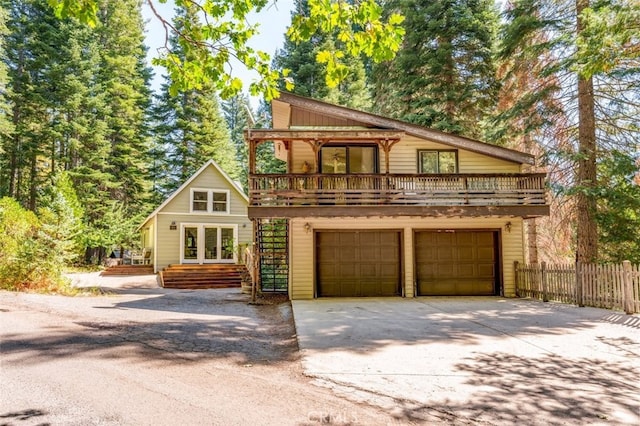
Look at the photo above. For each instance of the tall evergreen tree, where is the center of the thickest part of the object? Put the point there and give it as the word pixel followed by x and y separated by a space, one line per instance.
pixel 5 107
pixel 125 81
pixel 190 127
pixel 55 109
pixel 444 75
pixel 237 112
pixel 309 76
pixel 596 111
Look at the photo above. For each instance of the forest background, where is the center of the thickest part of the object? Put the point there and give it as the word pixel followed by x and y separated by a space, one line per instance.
pixel 88 149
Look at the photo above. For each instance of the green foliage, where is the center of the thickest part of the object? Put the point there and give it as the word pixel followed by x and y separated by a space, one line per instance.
pixel 266 161
pixel 359 28
pixel 190 127
pixel 34 249
pixel 209 46
pixel 618 214
pixel 444 75
pixel 237 112
pixel 303 61
pixel 6 126
pixel 124 80
pixel 83 10
pixel 610 39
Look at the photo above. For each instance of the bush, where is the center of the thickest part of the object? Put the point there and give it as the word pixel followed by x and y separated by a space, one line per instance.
pixel 32 250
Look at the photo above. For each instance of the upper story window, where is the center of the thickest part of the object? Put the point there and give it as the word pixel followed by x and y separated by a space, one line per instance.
pixel 209 201
pixel 436 161
pixel 349 159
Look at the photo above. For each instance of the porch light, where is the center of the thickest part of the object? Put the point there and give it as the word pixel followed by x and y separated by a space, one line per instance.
pixel 307 227
pixel 172 226
pixel 507 227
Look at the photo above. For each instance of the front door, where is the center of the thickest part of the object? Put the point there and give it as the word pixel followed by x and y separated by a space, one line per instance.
pixel 204 243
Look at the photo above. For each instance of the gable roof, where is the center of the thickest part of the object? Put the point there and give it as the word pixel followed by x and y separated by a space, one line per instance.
pixel 232 184
pixel 411 129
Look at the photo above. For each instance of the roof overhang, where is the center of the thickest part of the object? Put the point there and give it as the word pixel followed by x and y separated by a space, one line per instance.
pixel 369 119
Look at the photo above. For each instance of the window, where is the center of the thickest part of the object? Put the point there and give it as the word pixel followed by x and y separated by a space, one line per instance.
pixel 348 159
pixel 209 201
pixel 219 202
pixel 200 201
pixel 437 161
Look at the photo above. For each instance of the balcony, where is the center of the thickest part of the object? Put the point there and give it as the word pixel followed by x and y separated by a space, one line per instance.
pixel 291 195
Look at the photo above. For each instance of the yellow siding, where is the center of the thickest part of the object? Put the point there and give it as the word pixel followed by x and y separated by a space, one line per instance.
pixel 302 245
pixel 169 240
pixel 404 158
pixel 301 152
pixel 208 179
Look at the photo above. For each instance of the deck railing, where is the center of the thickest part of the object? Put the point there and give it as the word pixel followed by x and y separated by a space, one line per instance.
pixel 397 189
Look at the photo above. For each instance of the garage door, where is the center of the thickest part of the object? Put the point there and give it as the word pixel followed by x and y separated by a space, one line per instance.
pixel 456 263
pixel 358 263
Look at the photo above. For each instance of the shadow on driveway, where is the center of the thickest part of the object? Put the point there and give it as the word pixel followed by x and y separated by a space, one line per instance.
pixel 187 325
pixel 502 361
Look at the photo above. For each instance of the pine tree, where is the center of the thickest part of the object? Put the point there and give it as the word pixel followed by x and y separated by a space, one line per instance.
pixel 593 114
pixel 237 112
pixel 125 81
pixel 6 126
pixel 443 77
pixel 55 111
pixel 309 76
pixel 190 127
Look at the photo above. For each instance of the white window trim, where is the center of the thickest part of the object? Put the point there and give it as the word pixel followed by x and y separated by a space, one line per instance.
pixel 210 193
pixel 200 260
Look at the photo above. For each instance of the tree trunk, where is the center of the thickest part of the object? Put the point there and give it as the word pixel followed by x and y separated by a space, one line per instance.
pixel 587 231
pixel 532 240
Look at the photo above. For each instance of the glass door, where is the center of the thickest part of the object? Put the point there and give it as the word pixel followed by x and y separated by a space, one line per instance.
pixel 227 243
pixel 211 246
pixel 204 243
pixel 190 245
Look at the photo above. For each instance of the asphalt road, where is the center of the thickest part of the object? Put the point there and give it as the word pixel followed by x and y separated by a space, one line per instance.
pixel 144 356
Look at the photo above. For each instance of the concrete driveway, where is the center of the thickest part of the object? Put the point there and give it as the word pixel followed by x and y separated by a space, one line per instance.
pixel 468 360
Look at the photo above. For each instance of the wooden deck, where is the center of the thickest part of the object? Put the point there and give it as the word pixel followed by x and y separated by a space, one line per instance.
pixel 119 270
pixel 397 189
pixel 202 276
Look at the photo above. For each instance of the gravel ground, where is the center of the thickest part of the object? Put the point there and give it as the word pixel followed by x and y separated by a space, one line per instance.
pixel 139 354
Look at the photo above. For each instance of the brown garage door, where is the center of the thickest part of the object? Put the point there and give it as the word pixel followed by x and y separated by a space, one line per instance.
pixel 456 263
pixel 358 263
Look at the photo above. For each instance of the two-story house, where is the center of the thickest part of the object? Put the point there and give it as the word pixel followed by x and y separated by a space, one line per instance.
pixel 371 206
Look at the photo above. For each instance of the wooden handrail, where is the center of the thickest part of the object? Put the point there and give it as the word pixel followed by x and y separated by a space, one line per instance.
pixel 398 189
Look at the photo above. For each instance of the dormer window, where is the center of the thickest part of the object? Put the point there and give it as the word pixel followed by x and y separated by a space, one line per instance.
pixel 211 201
pixel 437 161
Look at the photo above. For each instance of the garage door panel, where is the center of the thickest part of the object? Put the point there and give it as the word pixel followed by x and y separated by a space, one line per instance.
pixel 364 263
pixel 444 253
pixel 466 253
pixel 486 253
pixel 464 238
pixel 462 263
pixel 485 239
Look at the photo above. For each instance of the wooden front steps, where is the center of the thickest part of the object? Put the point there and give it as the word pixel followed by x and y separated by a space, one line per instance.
pixel 202 276
pixel 118 270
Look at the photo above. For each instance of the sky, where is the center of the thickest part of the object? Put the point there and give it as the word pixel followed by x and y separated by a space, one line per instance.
pixel 273 20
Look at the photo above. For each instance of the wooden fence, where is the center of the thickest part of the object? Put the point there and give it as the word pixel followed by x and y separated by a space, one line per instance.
pixel 600 286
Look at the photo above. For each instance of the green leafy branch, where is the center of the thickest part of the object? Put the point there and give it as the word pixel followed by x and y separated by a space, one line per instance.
pixel 213 45
pixel 360 30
